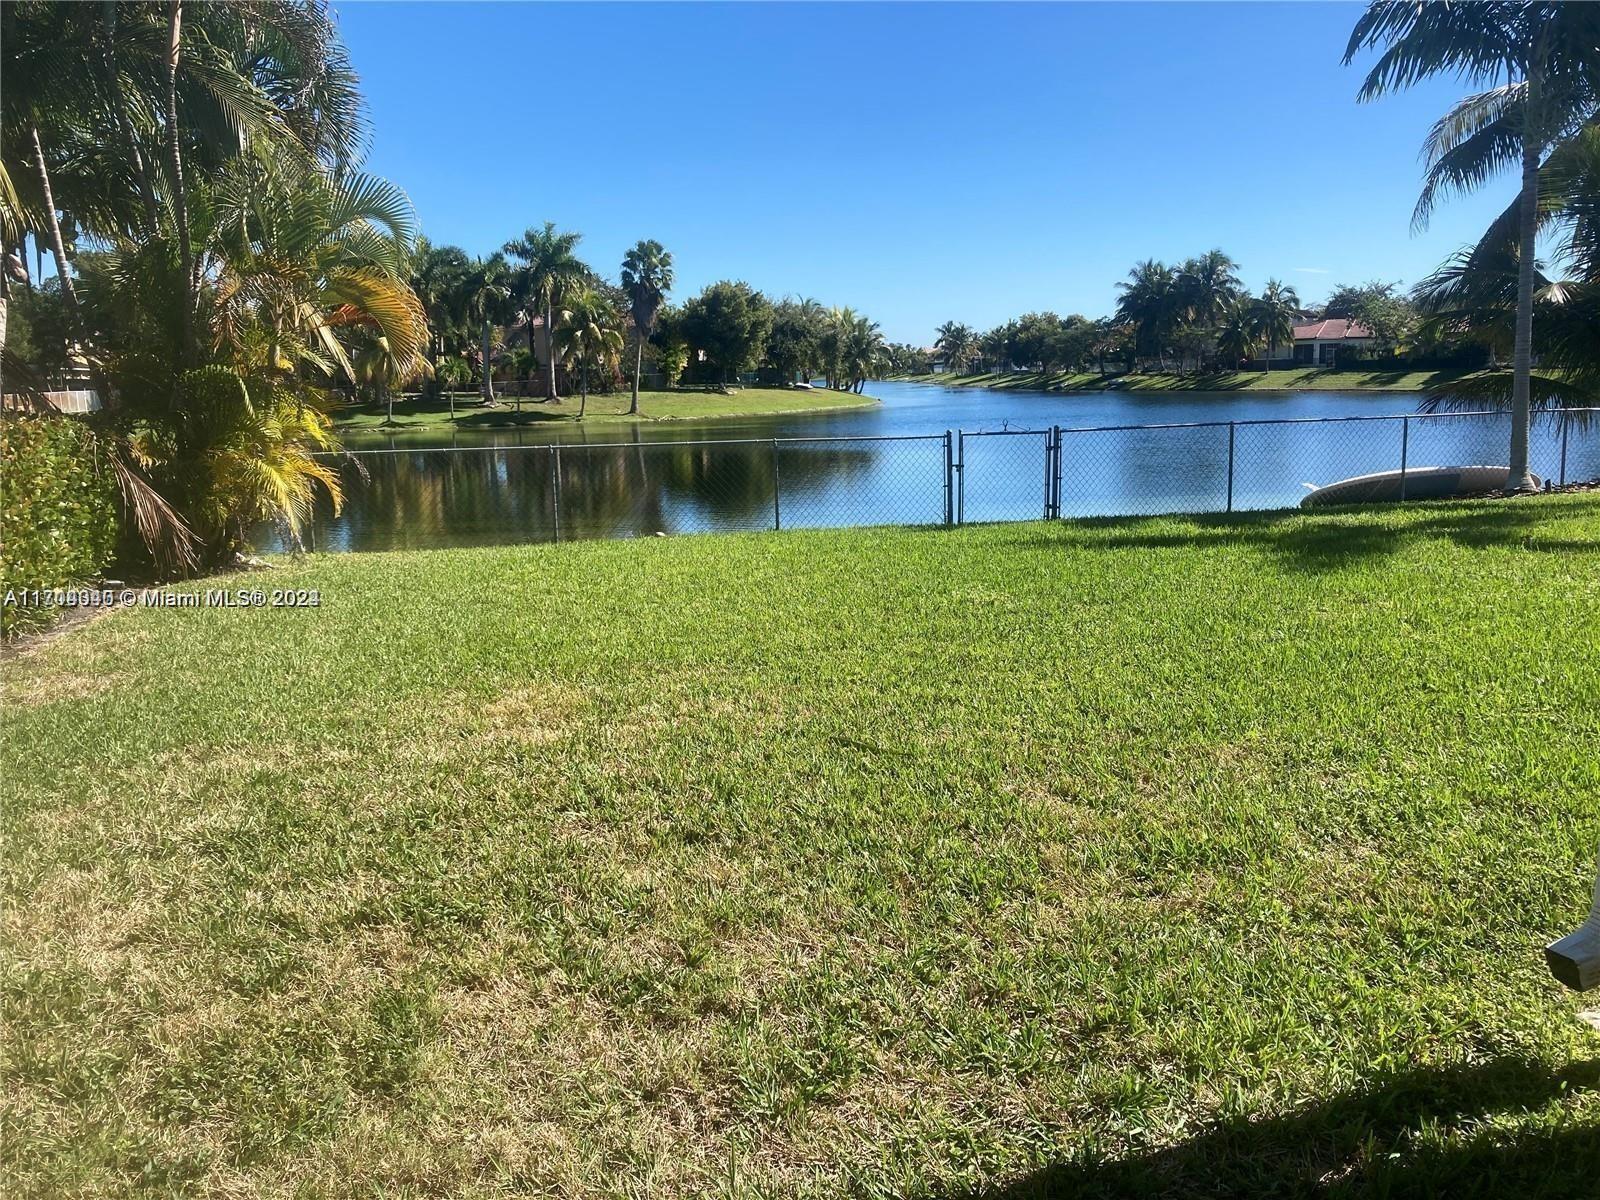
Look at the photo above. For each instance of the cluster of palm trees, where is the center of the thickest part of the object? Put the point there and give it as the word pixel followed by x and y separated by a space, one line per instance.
pixel 538 288
pixel 1193 314
pixel 219 256
pixel 808 341
pixel 479 308
pixel 1198 311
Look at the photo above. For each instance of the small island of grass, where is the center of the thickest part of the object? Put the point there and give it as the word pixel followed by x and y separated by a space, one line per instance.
pixel 607 409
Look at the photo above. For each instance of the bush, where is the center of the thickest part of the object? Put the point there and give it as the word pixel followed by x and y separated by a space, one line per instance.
pixel 58 517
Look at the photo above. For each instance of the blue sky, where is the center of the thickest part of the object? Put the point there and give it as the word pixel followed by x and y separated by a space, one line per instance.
pixel 921 162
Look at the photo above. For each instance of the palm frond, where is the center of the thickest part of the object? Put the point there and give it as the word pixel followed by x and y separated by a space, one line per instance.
pixel 1476 140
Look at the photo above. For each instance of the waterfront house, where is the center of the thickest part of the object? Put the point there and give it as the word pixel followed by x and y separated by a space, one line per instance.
pixel 1320 342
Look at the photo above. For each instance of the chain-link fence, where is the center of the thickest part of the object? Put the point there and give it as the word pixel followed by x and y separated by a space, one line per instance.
pixel 471 496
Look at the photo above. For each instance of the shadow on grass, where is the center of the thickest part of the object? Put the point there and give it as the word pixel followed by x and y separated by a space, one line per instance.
pixel 414 418
pixel 500 418
pixel 1372 1142
pixel 1333 538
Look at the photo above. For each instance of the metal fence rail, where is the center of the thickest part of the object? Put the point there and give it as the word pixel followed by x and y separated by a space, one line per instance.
pixel 398 497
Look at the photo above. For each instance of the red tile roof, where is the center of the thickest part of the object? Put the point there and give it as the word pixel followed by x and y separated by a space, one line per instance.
pixel 1332 330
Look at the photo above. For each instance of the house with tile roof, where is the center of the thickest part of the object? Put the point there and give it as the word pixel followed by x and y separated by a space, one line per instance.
pixel 1320 342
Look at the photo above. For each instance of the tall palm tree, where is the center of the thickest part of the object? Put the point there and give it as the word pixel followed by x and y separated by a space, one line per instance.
pixel 646 278
pixel 590 336
pixel 550 268
pixel 488 303
pixel 1474 294
pixel 98 98
pixel 1539 64
pixel 1208 285
pixel 1273 315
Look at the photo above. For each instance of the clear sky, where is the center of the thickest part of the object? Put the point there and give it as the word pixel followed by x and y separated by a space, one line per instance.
pixel 920 162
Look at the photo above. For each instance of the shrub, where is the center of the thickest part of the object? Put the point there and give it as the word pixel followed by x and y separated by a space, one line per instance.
pixel 58 518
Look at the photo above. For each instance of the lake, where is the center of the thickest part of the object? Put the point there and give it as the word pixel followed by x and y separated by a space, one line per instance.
pixel 475 487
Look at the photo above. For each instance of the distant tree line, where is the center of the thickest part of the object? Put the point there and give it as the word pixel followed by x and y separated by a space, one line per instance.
pixel 499 310
pixel 1195 317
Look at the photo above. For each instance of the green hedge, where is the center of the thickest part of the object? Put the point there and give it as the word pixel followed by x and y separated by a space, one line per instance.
pixel 58 518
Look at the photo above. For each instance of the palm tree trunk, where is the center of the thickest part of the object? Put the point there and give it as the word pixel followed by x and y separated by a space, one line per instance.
pixel 488 374
pixel 638 365
pixel 147 195
pixel 1519 479
pixel 533 359
pixel 68 291
pixel 180 205
pixel 550 354
pixel 583 386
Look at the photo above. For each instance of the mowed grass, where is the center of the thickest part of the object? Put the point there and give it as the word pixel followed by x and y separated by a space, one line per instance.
pixel 1179 856
pixel 608 409
pixel 1294 379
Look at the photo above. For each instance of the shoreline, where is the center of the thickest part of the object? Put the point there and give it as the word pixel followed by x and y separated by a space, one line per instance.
pixel 1300 379
pixel 656 408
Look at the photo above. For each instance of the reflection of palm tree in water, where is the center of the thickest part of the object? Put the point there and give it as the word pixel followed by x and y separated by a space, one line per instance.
pixel 499 495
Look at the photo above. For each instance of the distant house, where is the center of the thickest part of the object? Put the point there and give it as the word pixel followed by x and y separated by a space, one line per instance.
pixel 1318 343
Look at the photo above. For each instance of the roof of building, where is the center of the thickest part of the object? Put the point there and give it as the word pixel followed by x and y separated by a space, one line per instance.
pixel 1332 330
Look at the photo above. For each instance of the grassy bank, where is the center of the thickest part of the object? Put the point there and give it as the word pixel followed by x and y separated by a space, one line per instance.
pixel 603 410
pixel 1296 379
pixel 1135 857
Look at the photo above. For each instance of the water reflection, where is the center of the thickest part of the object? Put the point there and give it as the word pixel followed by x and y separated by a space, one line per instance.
pixel 639 485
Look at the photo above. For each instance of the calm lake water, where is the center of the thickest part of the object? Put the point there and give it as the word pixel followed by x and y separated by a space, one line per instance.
pixel 475 486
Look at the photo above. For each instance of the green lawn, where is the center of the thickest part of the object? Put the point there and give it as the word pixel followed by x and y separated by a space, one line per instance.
pixel 1182 856
pixel 1314 379
pixel 609 409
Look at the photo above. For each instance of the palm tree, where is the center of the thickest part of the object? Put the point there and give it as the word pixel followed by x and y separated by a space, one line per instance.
pixel 488 303
pixel 1540 66
pixel 441 279
pixel 1273 315
pixel 954 342
pixel 1474 294
pixel 854 348
pixel 452 371
pixel 310 255
pixel 550 268
pixel 998 346
pixel 189 166
pixel 647 278
pixel 1237 334
pixel 1151 303
pixel 1208 285
pixel 590 336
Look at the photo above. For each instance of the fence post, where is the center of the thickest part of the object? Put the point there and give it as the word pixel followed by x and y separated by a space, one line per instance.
pixel 1405 452
pixel 961 477
pixel 1049 472
pixel 777 514
pixel 555 475
pixel 1055 483
pixel 949 481
pixel 1232 429
pixel 1566 424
